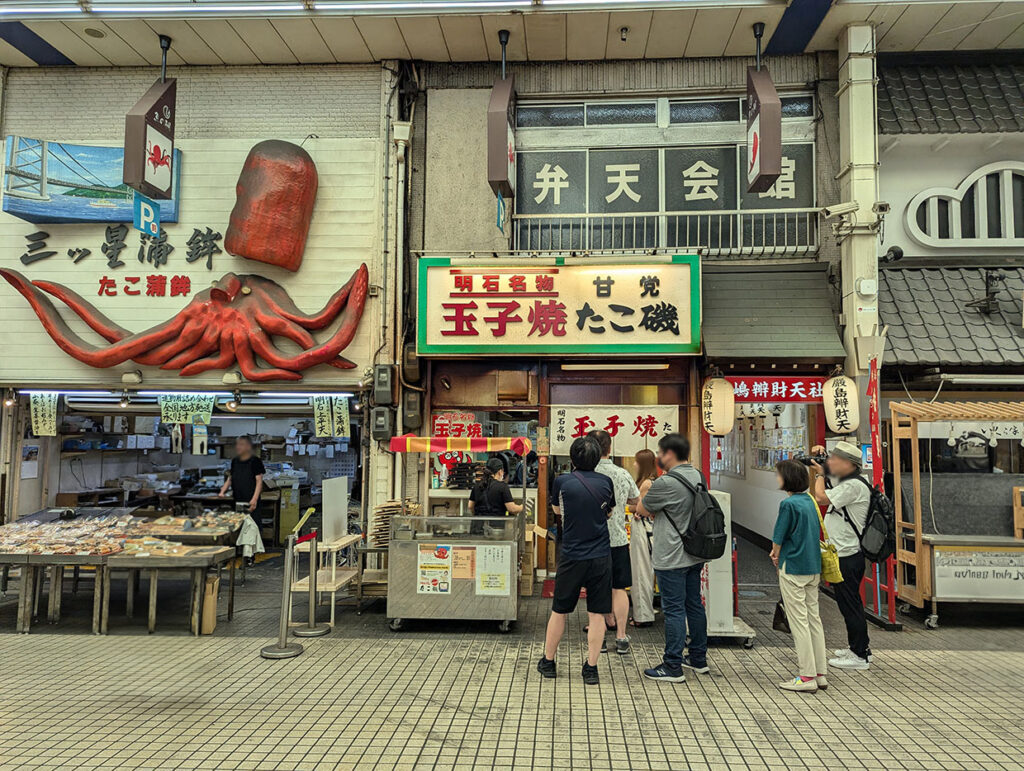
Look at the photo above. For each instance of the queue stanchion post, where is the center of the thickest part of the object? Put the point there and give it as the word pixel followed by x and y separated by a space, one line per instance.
pixel 283 649
pixel 312 628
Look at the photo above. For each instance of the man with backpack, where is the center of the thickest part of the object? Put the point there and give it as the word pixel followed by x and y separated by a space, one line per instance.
pixel 673 501
pixel 848 501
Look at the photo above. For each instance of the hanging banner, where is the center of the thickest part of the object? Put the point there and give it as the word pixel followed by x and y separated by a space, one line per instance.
pixel 774 388
pixel 339 412
pixel 44 414
pixel 632 427
pixel 434 569
pixel 186 408
pixel 764 131
pixel 149 141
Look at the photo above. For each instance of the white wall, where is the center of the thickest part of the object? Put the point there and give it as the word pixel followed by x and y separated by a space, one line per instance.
pixel 756 496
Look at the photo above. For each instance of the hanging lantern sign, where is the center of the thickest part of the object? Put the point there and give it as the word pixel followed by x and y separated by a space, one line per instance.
pixel 842 404
pixel 718 406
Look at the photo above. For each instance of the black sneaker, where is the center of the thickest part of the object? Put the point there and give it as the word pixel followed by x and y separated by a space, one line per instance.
pixel 590 676
pixel 700 669
pixel 665 674
pixel 546 667
pixel 622 646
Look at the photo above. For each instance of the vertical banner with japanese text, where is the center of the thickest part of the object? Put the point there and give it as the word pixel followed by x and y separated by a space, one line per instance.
pixel 339 412
pixel 632 427
pixel 44 413
pixel 330 416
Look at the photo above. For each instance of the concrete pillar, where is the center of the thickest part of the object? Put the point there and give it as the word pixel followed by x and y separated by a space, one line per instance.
pixel 857 230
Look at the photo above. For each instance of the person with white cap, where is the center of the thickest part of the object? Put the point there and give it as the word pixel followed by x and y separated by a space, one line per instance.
pixel 848 500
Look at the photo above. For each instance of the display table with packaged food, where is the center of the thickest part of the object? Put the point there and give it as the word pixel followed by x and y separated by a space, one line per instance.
pixel 104 540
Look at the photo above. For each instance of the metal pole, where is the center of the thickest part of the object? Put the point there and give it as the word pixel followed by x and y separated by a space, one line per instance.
pixel 503 35
pixel 312 629
pixel 758 34
pixel 283 649
pixel 165 46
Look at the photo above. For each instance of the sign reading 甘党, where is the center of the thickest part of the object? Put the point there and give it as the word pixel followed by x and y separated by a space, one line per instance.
pixel 558 308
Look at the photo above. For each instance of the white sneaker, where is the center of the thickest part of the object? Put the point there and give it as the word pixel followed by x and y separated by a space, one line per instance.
pixel 798 685
pixel 845 653
pixel 822 682
pixel 850 661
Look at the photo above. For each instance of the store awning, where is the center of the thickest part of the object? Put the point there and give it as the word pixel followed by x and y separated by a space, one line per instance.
pixel 754 313
pixel 517 444
pixel 932 322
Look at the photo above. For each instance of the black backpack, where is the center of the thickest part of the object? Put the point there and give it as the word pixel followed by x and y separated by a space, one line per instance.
pixel 705 536
pixel 878 540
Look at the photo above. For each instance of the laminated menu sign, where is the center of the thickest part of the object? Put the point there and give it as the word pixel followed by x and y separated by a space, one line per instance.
pixel 186 408
pixel 492 570
pixel 464 562
pixel 434 569
pixel 44 414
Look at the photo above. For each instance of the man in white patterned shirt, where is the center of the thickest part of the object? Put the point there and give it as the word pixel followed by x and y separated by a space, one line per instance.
pixel 626 493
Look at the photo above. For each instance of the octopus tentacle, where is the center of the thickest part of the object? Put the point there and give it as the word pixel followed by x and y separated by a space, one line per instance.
pixel 99 323
pixel 284 306
pixel 222 360
pixel 69 342
pixel 346 330
pixel 247 362
pixel 190 333
pixel 340 362
pixel 209 343
pixel 278 325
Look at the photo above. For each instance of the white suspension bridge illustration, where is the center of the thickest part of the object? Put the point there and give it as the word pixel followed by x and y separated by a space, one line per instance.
pixel 35 165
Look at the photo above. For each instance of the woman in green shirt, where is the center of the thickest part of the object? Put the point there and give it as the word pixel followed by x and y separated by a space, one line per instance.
pixel 796 552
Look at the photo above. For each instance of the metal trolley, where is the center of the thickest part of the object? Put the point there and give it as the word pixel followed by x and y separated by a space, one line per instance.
pixel 464 568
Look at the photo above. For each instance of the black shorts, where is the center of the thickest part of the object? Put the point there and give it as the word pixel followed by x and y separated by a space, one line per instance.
pixel 622 569
pixel 594 574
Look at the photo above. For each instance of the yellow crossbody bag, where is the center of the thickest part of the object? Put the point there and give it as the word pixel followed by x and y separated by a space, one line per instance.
pixel 830 572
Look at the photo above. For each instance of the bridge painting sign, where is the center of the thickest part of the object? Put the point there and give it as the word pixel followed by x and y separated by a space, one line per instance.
pixel 149 141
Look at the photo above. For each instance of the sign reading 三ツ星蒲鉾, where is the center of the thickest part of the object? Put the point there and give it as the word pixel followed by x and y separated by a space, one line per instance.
pixel 631 427
pixel 554 309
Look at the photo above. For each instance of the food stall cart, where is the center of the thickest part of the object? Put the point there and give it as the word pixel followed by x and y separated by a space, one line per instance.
pixel 456 567
pixel 953 567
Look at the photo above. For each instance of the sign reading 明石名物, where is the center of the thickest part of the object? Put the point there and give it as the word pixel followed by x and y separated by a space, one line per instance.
pixel 559 308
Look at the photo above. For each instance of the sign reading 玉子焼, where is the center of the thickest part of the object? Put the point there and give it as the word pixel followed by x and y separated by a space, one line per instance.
pixel 631 427
pixel 557 308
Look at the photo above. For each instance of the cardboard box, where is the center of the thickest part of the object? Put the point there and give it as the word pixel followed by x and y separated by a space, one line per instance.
pixel 526 584
pixel 210 591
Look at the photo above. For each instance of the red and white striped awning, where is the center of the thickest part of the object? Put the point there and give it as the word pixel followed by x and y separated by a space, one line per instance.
pixel 409 443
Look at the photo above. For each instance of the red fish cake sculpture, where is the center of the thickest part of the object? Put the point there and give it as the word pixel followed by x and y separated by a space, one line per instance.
pixel 274 201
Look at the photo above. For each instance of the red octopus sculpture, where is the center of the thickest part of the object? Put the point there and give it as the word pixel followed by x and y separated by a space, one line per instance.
pixel 232 321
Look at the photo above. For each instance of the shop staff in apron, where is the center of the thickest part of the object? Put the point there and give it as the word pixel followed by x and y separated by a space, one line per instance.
pixel 848 500
pixel 491 496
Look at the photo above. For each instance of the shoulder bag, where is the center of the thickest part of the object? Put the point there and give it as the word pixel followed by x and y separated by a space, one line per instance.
pixel 830 572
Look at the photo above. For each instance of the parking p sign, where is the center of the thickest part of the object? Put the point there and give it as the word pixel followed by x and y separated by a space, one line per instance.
pixel 146 214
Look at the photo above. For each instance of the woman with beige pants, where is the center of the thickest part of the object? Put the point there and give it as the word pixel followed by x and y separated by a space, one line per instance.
pixel 796 552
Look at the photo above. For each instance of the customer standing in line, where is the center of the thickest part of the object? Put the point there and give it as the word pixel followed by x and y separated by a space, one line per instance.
pixel 584 500
pixel 848 500
pixel 626 493
pixel 796 552
pixel 670 502
pixel 640 546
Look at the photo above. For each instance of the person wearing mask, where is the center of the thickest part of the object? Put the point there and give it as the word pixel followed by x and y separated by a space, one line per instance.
pixel 796 552
pixel 584 499
pixel 847 500
pixel 491 496
pixel 626 493
pixel 670 503
pixel 640 546
pixel 245 477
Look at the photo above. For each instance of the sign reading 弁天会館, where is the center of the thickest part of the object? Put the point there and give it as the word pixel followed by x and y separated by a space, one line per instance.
pixel 559 307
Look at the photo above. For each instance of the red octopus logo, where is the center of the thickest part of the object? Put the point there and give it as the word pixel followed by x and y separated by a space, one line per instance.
pixel 158 158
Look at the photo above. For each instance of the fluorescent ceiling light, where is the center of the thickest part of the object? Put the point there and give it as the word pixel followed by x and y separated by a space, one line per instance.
pixel 191 8
pixel 283 395
pixel 422 5
pixel 93 394
pixel 26 10
pixel 605 367
pixel 184 393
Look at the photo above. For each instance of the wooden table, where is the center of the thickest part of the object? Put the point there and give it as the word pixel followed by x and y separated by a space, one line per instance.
pixel 197 562
pixel 32 586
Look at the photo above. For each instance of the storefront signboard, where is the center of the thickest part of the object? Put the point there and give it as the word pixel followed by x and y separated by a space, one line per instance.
pixel 776 388
pixel 456 424
pixel 559 307
pixel 764 130
pixel 501 140
pixel 44 413
pixel 186 408
pixel 632 427
pixel 434 569
pixel 988 573
pixel 149 141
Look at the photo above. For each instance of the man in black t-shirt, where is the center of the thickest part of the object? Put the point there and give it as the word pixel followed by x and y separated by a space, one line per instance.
pixel 584 499
pixel 246 475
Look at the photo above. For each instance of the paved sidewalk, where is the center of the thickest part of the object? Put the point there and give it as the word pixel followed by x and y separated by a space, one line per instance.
pixel 461 695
